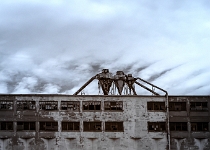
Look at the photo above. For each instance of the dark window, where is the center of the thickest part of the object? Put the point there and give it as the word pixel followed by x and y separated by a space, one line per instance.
pixel 73 106
pixel 113 105
pixel 48 105
pixel 91 105
pixel 92 126
pixel 70 126
pixel 114 126
pixel 177 106
pixel 23 126
pixel 6 125
pixel 178 126
pixel 156 106
pixel 156 126
pixel 48 126
pixel 199 126
pixel 6 105
pixel 26 105
pixel 199 106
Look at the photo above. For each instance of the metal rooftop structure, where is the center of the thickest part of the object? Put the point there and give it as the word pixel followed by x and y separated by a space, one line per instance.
pixel 120 84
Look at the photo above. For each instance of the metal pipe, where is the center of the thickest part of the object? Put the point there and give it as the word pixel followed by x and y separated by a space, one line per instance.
pixel 167 111
pixel 168 127
pixel 146 88
pixel 152 85
pixel 88 82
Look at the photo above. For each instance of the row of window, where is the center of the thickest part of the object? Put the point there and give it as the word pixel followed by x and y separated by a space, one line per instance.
pixel 66 126
pixel 178 106
pixel 96 105
pixel 65 105
pixel 96 126
pixel 178 126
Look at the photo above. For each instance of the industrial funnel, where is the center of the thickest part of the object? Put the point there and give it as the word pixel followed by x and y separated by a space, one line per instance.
pixel 105 80
pixel 119 80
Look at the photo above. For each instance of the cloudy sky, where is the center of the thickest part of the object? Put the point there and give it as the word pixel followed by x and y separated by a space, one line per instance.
pixel 55 46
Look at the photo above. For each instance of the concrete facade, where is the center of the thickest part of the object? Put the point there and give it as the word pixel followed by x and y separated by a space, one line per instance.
pixel 103 122
pixel 191 139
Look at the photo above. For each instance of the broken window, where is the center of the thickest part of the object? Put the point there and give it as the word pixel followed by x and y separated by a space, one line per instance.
pixel 26 105
pixel 6 125
pixel 177 106
pixel 70 126
pixel 73 106
pixel 26 126
pixel 199 106
pixel 199 126
pixel 178 126
pixel 156 106
pixel 92 126
pixel 48 105
pixel 48 126
pixel 92 105
pixel 156 126
pixel 114 126
pixel 113 105
pixel 6 105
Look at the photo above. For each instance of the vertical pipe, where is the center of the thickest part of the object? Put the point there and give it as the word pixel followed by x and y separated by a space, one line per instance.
pixel 168 127
pixel 167 111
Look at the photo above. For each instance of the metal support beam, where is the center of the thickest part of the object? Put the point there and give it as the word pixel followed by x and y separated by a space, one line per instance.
pixel 152 85
pixel 134 92
pixel 88 82
pixel 146 88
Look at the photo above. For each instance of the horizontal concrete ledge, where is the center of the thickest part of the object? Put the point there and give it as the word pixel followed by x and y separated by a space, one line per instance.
pixel 133 137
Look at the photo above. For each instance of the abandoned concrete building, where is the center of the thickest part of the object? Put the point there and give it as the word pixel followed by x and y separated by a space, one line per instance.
pixel 117 120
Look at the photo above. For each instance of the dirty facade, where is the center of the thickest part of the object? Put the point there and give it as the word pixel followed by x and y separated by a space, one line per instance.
pixel 85 122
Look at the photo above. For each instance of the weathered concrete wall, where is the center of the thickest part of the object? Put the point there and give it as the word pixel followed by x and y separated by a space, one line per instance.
pixel 195 140
pixel 134 117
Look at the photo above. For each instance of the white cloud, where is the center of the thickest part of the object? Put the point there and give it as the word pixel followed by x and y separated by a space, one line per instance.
pixel 50 88
pixel 26 85
pixel 56 46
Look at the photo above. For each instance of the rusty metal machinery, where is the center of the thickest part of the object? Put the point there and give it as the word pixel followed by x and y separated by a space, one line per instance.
pixel 119 84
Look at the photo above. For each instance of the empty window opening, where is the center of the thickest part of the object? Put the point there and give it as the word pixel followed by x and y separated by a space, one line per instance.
pixel 48 105
pixel 48 126
pixel 91 105
pixel 156 106
pixel 70 126
pixel 199 126
pixel 26 105
pixel 26 126
pixel 6 105
pixel 177 106
pixel 92 126
pixel 113 105
pixel 114 126
pixel 6 125
pixel 178 126
pixel 72 106
pixel 156 126
pixel 199 106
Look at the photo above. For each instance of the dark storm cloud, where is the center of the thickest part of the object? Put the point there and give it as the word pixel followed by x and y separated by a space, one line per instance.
pixel 154 77
pixel 56 46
